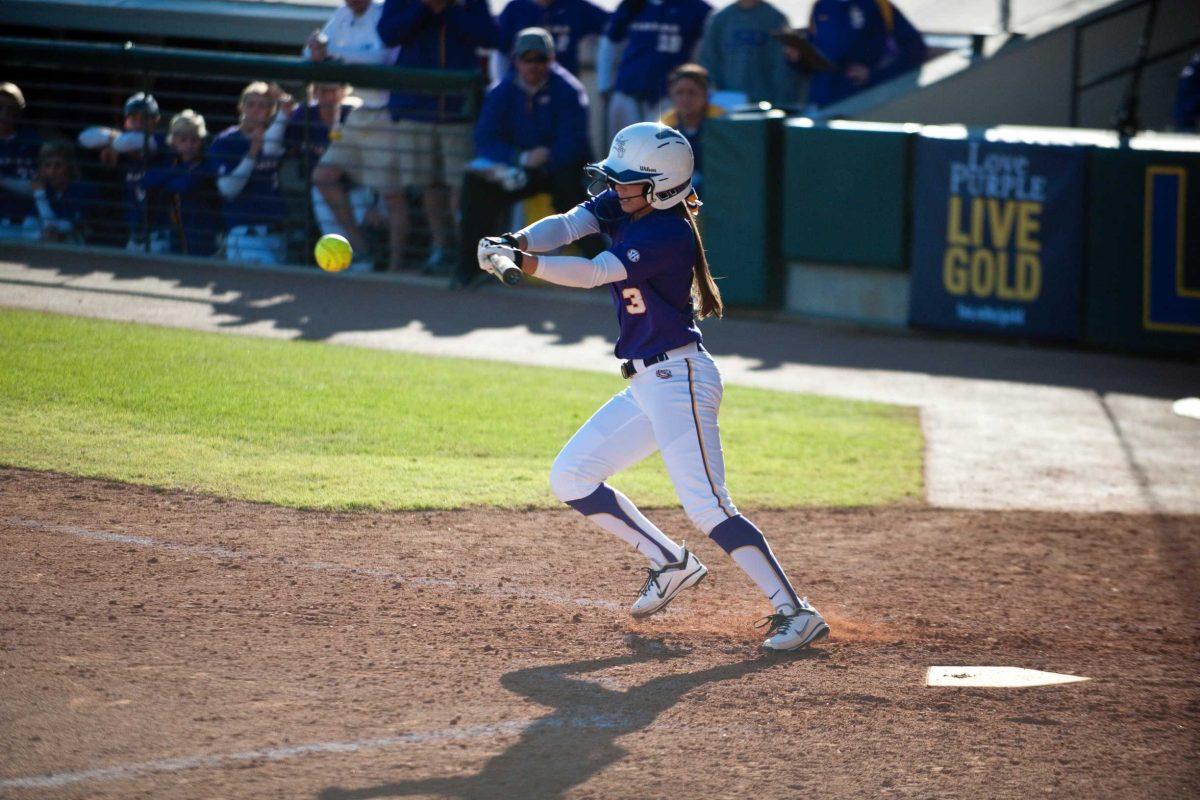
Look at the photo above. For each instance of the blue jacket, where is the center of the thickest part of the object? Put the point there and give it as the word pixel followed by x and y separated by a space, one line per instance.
pixel 568 21
pixel 857 32
pixel 435 41
pixel 662 35
pixel 555 116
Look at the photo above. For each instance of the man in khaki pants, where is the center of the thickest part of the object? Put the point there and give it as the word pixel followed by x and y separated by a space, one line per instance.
pixel 435 135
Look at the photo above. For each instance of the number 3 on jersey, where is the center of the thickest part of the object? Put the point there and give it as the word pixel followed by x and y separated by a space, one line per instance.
pixel 633 301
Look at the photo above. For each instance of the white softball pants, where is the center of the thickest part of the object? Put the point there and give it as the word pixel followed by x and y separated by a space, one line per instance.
pixel 671 407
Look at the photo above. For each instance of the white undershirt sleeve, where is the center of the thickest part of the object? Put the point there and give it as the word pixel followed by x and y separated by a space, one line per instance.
pixel 581 273
pixel 273 138
pixel 231 185
pixel 96 137
pixel 134 142
pixel 557 230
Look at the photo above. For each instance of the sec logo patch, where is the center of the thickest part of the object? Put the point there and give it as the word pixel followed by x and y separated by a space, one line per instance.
pixel 633 255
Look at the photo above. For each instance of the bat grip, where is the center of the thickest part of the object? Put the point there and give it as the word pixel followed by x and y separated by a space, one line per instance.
pixel 505 270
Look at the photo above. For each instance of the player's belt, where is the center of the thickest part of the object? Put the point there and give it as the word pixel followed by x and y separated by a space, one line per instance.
pixel 636 365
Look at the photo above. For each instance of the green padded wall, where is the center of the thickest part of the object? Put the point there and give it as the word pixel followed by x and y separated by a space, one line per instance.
pixel 740 218
pixel 845 196
pixel 1131 188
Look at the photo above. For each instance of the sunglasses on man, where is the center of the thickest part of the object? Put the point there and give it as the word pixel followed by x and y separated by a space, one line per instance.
pixel 534 59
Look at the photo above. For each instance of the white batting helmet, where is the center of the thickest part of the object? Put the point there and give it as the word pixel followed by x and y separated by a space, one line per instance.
pixel 653 154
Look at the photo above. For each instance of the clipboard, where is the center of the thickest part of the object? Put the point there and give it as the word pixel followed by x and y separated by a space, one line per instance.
pixel 811 58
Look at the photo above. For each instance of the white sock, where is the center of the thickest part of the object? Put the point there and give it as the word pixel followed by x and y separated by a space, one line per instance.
pixel 756 564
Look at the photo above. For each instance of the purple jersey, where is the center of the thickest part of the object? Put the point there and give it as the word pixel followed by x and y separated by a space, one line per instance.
pixel 568 21
pixel 654 302
pixel 662 35
pixel 260 202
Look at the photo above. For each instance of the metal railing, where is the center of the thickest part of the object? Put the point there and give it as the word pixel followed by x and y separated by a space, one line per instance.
pixel 1122 118
pixel 73 86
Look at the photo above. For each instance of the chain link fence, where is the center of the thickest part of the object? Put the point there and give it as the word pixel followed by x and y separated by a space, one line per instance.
pixel 221 155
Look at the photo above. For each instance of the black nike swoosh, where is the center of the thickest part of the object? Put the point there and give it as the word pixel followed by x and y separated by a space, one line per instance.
pixel 661 595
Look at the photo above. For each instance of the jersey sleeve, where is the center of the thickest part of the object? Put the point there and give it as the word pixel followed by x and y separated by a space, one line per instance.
pixel 604 207
pixel 657 245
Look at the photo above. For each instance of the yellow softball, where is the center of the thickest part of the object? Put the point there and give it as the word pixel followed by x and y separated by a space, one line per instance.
pixel 333 252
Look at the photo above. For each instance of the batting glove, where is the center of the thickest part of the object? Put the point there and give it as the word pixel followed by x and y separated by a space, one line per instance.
pixel 498 246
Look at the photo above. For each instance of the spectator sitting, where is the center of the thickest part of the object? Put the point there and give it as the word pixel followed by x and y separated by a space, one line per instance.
pixel 308 135
pixel 741 54
pixel 19 146
pixel 568 21
pixel 1187 97
pixel 129 153
pixel 434 140
pixel 690 107
pixel 531 137
pixel 662 35
pixel 365 151
pixel 245 160
pixel 183 185
pixel 64 203
pixel 867 41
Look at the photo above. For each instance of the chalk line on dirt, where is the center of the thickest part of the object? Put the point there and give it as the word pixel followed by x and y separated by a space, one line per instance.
pixel 215 551
pixel 55 780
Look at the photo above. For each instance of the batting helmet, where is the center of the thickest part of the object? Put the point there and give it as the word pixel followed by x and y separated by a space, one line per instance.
pixel 649 153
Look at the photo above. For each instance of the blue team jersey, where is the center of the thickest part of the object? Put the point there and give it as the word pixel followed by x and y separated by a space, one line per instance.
pixel 568 21
pixel 662 35
pixel 75 204
pixel 186 189
pixel 138 212
pixel 654 302
pixel 260 201
pixel 18 160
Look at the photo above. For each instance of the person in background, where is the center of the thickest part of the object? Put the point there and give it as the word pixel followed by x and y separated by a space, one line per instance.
pixel 19 145
pixel 688 88
pixel 1187 97
pixel 307 139
pixel 742 56
pixel 661 35
pixel 183 185
pixel 568 21
pixel 245 161
pixel 532 132
pixel 127 154
pixel 868 42
pixel 64 203
pixel 364 151
pixel 434 140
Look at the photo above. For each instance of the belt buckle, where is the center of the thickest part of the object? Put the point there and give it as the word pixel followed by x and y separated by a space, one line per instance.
pixel 627 370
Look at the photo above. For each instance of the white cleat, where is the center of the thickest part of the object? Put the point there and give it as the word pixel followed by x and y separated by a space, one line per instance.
pixel 796 630
pixel 664 583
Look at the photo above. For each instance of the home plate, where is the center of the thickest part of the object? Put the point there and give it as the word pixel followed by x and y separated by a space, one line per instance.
pixel 995 677
pixel 1187 407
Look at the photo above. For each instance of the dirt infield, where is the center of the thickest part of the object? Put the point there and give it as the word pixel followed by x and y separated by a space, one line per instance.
pixel 160 644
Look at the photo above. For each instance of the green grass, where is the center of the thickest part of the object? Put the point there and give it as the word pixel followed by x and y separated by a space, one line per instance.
pixel 318 426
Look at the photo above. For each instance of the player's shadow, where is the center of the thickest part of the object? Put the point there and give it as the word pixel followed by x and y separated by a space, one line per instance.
pixel 578 740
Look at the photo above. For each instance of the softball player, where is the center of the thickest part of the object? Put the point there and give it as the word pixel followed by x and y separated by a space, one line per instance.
pixel 661 285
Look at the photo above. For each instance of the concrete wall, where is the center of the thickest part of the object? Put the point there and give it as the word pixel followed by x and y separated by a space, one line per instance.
pixel 1030 82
